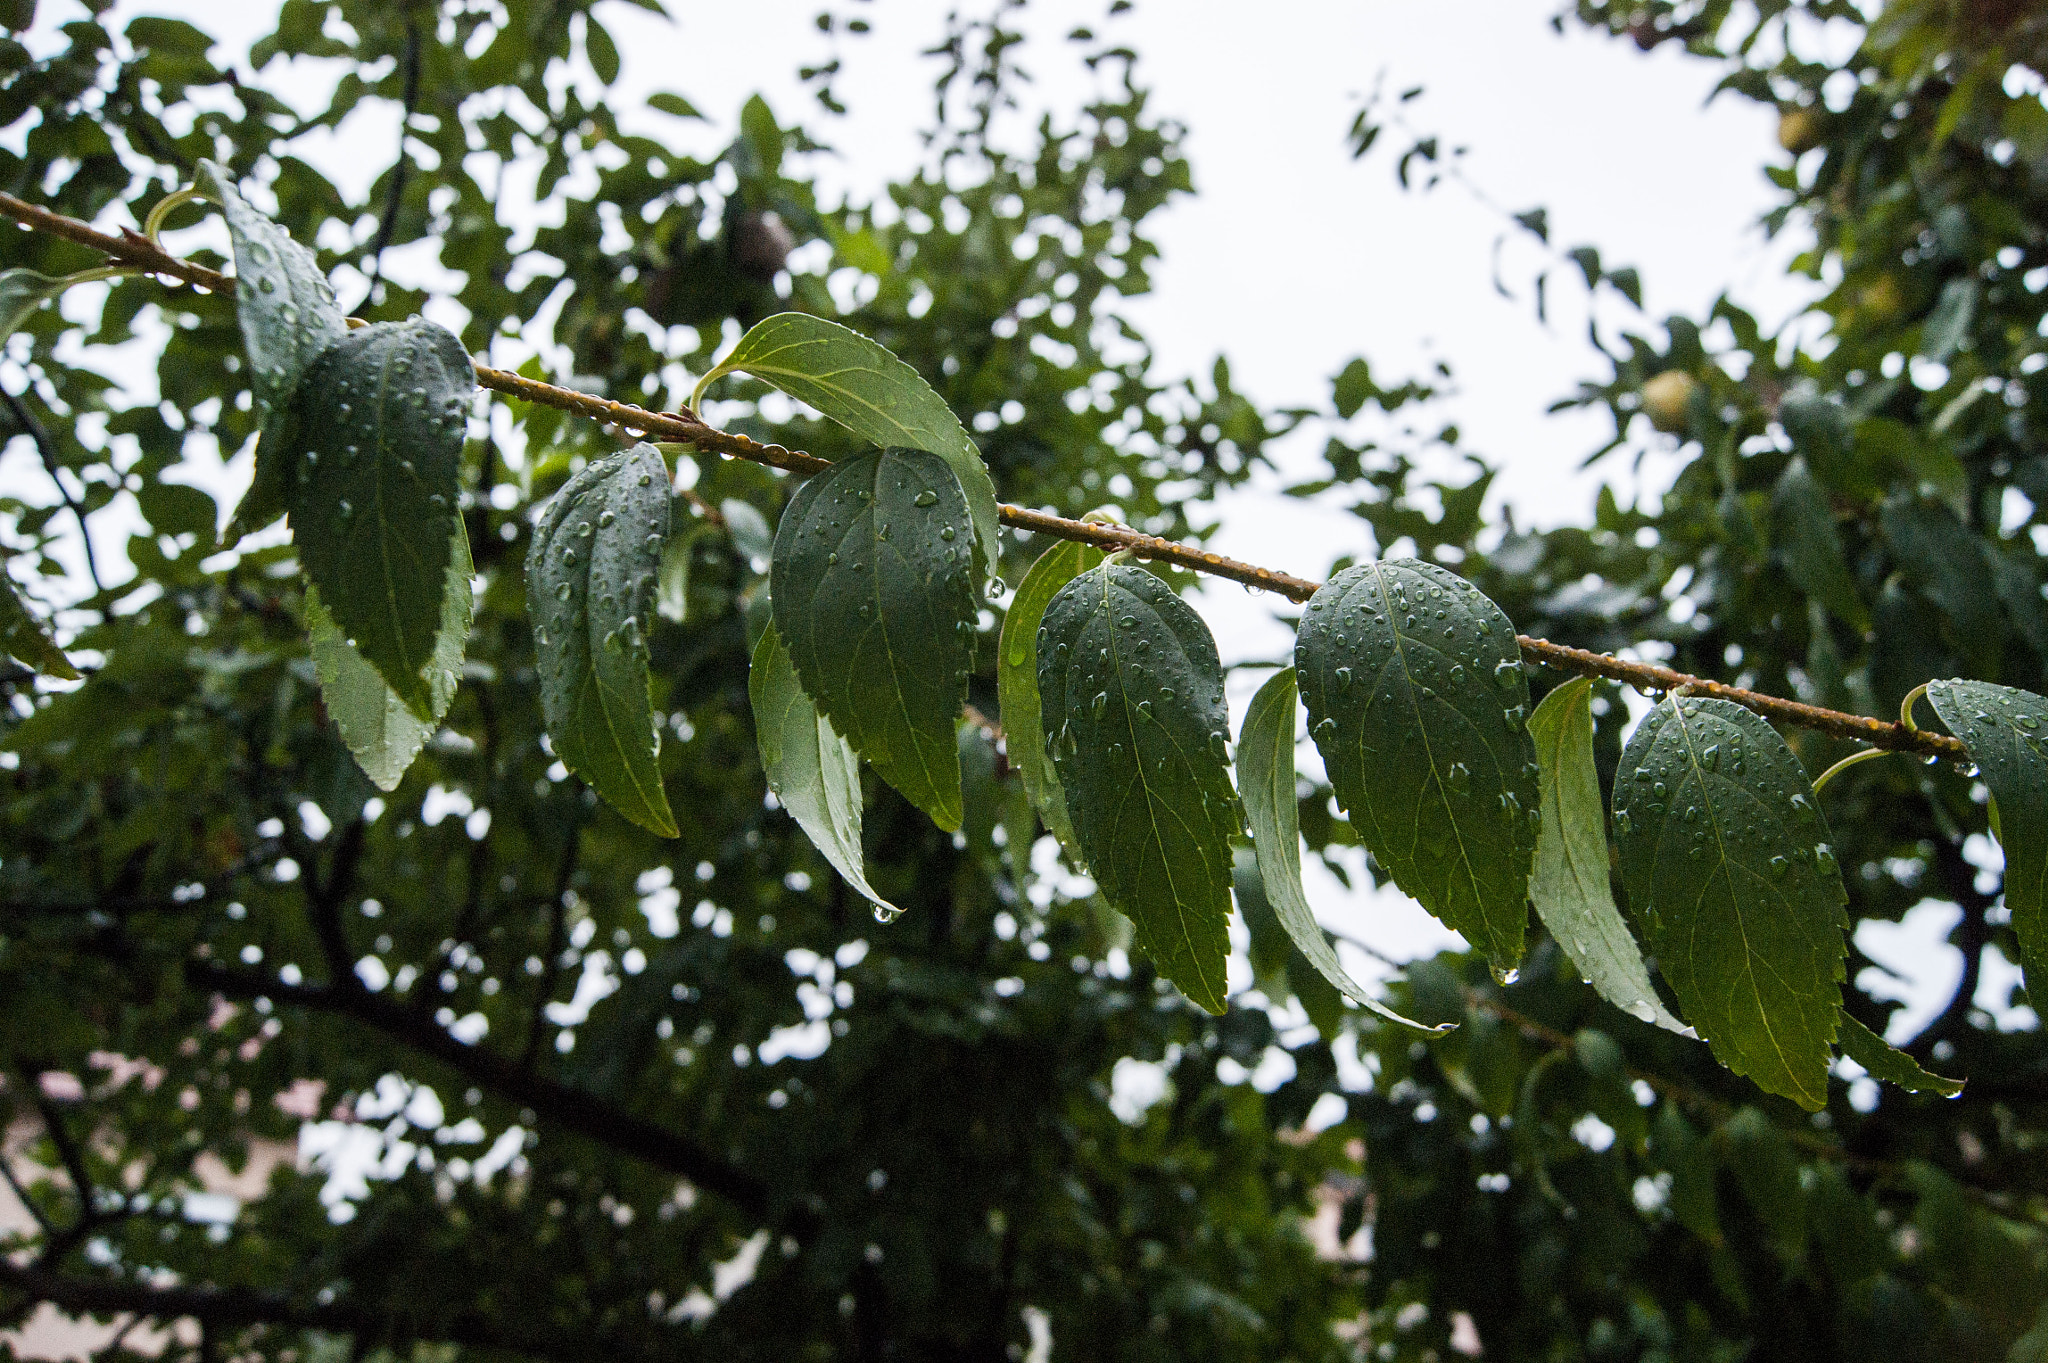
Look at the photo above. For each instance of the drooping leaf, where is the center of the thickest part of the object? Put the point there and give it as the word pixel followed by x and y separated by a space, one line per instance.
pixel 864 388
pixel 374 510
pixel 379 728
pixel 590 589
pixel 1265 776
pixel 749 529
pixel 1889 1065
pixel 22 636
pixel 1729 871
pixel 1806 534
pixel 1570 886
pixel 672 595
pixel 288 316
pixel 811 769
pixel 1131 702
pixel 1939 552
pixel 873 593
pixel 1417 701
pixel 2004 730
pixel 21 293
pixel 1017 683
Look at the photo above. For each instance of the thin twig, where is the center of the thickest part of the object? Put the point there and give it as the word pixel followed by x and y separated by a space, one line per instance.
pixel 400 168
pixel 46 447
pixel 687 427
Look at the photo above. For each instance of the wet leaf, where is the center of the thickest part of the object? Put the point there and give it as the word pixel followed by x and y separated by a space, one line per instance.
pixel 1265 776
pixel 1570 885
pixel 1017 684
pixel 1417 701
pixel 864 388
pixel 811 769
pixel 1131 701
pixel 1730 872
pixel 1889 1065
pixel 590 589
pixel 374 510
pixel 288 317
pixel 2004 730
pixel 873 594
pixel 379 728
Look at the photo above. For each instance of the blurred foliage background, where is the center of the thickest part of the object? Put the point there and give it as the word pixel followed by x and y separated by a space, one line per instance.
pixel 628 1097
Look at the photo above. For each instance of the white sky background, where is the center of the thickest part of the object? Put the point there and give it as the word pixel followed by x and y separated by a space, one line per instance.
pixel 1291 258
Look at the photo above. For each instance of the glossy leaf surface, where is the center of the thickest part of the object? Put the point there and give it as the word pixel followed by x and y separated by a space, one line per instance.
pixel 811 769
pixel 1417 702
pixel 1570 885
pixel 1265 777
pixel 1017 683
pixel 21 293
pixel 2004 730
pixel 873 593
pixel 590 588
pixel 288 316
pixel 864 388
pixel 1131 696
pixel 1729 870
pixel 380 729
pixel 373 513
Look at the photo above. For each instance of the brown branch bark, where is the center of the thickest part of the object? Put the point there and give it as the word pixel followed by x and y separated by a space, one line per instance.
pixel 134 250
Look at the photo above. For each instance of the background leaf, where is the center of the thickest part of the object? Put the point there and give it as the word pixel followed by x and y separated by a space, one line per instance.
pixel 1417 701
pixel 1017 684
pixel 288 316
pixel 1888 1064
pixel 589 588
pixel 1728 867
pixel 379 728
pixel 872 591
pixel 1806 536
pixel 1265 776
pixel 2003 729
pixel 21 293
pixel 22 636
pixel 1570 884
pixel 1131 695
pixel 374 511
pixel 864 388
pixel 811 769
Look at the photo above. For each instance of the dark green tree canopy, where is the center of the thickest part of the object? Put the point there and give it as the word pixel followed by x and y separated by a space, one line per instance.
pixel 726 919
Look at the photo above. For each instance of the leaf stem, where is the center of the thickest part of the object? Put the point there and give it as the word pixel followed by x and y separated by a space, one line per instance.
pixel 1851 760
pixel 133 249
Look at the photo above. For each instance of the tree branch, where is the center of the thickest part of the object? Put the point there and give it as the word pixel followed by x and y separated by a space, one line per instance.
pixel 133 249
pixel 47 449
pixel 400 168
pixel 568 1108
pixel 242 1307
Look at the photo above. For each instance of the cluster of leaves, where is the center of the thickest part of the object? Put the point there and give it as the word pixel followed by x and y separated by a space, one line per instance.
pixel 484 964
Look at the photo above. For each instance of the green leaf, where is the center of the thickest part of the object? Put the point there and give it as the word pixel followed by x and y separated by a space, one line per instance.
pixel 2004 728
pixel 672 590
pixel 1265 775
pixel 1570 885
pixel 1888 1064
pixel 374 509
pixel 811 769
pixel 1805 531
pixel 1017 684
pixel 1417 701
pixel 21 293
pixel 22 636
pixel 379 728
pixel 1948 325
pixel 1131 697
pixel 603 52
pixel 869 391
pixel 673 104
pixel 288 316
pixel 590 587
pixel 1729 871
pixel 1943 556
pixel 873 595
pixel 749 529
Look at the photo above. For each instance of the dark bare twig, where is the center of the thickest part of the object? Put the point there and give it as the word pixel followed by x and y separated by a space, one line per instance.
pixel 46 447
pixel 400 168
